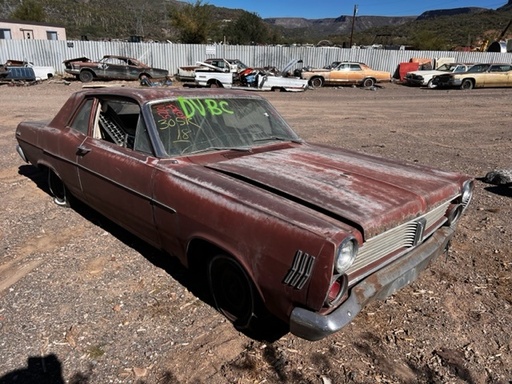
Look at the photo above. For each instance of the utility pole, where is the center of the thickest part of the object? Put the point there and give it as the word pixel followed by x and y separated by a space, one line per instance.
pixel 353 22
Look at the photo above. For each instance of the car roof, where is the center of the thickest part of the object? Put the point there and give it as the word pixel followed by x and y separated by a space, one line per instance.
pixel 143 95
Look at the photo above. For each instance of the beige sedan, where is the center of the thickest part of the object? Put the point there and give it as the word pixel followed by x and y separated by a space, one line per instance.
pixel 478 76
pixel 346 73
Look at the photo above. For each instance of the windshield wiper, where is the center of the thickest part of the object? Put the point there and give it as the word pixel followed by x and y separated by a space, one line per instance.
pixel 239 149
pixel 278 138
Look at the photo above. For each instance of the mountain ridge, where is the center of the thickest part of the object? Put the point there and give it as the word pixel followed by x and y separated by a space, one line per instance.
pixel 120 19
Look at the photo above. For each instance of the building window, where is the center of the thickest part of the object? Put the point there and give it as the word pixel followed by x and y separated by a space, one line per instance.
pixel 51 35
pixel 5 34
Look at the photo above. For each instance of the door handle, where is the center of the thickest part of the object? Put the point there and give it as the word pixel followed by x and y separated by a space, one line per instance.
pixel 82 151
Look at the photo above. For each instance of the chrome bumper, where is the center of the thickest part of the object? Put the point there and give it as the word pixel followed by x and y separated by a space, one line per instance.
pixel 21 153
pixel 312 326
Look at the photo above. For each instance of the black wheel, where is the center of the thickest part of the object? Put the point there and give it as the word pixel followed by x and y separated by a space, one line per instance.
pixel 216 84
pixel 86 76
pixel 232 290
pixel 144 80
pixel 58 190
pixel 368 82
pixel 316 82
pixel 466 84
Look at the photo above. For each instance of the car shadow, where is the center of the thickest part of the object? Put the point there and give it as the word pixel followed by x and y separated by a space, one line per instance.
pixel 40 370
pixel 501 190
pixel 194 282
pixel 504 190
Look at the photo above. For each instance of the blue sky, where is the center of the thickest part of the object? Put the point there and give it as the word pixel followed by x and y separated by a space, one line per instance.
pixel 318 9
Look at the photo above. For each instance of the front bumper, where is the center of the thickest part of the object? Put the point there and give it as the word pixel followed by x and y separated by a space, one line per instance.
pixel 72 71
pixel 414 82
pixel 312 326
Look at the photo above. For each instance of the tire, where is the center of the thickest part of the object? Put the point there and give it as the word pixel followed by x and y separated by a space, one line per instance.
pixel 236 297
pixel 316 82
pixel 369 82
pixel 58 190
pixel 86 76
pixel 215 84
pixel 232 291
pixel 431 84
pixel 466 84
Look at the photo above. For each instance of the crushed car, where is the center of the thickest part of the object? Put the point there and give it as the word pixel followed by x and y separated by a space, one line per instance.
pixel 252 79
pixel 425 78
pixel 112 67
pixel 345 73
pixel 488 75
pixel 283 231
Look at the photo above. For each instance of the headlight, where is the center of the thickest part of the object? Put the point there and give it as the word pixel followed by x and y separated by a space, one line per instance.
pixel 467 192
pixel 347 252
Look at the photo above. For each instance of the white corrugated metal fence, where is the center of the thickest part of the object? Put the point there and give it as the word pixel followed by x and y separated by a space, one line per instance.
pixel 171 56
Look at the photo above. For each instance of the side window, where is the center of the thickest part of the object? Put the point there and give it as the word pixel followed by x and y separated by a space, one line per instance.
pixel 81 121
pixel 120 121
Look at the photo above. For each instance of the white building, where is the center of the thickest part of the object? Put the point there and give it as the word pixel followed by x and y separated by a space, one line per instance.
pixel 23 30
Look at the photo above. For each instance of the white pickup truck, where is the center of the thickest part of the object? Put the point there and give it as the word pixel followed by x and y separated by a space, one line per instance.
pixel 248 79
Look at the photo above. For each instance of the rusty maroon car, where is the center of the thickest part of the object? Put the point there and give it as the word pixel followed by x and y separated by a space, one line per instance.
pixel 284 230
pixel 112 67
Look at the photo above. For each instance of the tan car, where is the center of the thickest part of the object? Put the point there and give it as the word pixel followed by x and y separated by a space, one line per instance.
pixel 478 76
pixel 345 73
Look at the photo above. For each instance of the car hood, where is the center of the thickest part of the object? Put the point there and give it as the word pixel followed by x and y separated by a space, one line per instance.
pixel 78 59
pixel 371 193
pixel 426 73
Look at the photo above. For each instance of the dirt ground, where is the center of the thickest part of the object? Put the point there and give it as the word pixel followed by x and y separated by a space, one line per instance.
pixel 82 301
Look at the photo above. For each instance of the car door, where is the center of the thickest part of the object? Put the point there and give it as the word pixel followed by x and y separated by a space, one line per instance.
pixel 340 74
pixel 355 74
pixel 116 179
pixel 495 77
pixel 113 68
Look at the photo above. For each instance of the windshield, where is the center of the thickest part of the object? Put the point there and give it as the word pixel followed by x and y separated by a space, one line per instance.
pixel 192 125
pixel 445 67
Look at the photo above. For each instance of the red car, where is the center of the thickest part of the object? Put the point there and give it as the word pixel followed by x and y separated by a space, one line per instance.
pixel 285 230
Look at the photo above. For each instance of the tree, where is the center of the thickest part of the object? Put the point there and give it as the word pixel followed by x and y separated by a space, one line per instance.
pixel 427 40
pixel 249 28
pixel 193 22
pixel 29 10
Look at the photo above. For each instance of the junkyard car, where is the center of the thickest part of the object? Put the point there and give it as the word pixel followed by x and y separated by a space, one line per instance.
pixel 299 233
pixel 254 79
pixel 478 76
pixel 24 70
pixel 425 77
pixel 345 73
pixel 187 73
pixel 111 67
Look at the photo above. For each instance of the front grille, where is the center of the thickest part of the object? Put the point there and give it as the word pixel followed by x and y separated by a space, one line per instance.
pixel 401 238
